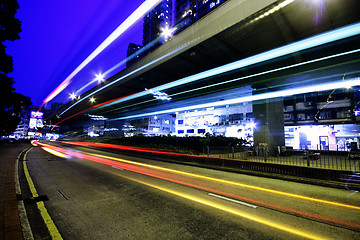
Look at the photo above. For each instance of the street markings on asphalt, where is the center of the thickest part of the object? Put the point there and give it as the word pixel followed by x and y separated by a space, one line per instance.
pixel 54 233
pixel 233 200
pixel 117 168
pixel 228 209
pixel 292 195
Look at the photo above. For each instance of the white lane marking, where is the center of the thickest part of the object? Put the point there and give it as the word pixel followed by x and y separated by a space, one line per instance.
pixel 117 168
pixel 233 200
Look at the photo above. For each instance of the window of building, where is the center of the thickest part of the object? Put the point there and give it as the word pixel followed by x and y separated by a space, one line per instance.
pixel 201 130
pixel 301 116
pixel 288 117
pixel 249 116
pixel 223 118
pixel 326 114
pixel 236 117
pixel 343 113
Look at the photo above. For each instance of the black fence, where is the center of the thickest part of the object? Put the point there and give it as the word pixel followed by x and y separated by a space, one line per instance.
pixel 324 159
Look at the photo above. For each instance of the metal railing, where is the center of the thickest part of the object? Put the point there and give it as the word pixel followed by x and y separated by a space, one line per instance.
pixel 324 159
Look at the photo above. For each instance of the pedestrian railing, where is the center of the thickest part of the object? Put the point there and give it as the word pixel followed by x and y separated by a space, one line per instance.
pixel 325 159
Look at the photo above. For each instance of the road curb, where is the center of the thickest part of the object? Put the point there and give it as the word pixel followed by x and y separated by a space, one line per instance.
pixel 25 225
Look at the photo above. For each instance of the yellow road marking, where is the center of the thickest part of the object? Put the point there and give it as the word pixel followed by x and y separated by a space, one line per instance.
pixel 54 233
pixel 229 210
pixel 230 182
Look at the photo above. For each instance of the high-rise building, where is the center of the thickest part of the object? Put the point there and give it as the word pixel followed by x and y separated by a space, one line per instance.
pixel 133 54
pixel 157 25
pixel 187 12
pixel 184 14
pixel 205 6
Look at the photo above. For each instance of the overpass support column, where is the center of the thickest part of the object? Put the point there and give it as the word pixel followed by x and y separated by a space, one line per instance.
pixel 269 119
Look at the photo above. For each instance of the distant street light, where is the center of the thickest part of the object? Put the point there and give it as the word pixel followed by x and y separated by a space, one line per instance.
pixel 167 32
pixel 92 99
pixel 99 77
pixel 72 96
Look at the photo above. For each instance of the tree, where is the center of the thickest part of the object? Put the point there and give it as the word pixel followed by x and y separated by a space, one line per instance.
pixel 11 102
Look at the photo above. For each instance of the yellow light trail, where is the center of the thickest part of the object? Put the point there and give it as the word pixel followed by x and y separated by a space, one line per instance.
pixel 230 182
pixel 230 210
pixel 56 153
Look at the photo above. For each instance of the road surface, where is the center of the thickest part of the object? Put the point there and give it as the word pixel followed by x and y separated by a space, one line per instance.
pixel 74 192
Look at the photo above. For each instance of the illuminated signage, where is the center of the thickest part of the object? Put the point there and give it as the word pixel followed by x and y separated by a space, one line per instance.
pixel 37 115
pixel 36 123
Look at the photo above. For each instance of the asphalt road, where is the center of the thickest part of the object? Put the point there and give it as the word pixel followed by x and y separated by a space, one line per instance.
pixel 92 194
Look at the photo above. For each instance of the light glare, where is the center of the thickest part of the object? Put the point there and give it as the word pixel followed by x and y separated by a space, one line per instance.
pixel 331 36
pixel 269 95
pixel 132 19
pixel 72 96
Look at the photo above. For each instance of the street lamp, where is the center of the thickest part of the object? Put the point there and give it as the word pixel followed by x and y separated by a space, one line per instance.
pixel 99 77
pixel 72 96
pixel 92 99
pixel 167 32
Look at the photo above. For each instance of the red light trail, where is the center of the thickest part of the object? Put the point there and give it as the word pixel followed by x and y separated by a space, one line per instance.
pixel 185 180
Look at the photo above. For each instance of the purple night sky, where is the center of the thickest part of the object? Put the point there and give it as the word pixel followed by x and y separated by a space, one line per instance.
pixel 58 35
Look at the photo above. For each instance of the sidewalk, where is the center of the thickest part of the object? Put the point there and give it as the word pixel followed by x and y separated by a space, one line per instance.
pixel 10 227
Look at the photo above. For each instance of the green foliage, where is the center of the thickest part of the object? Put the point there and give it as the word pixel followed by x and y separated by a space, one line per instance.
pixel 11 102
pixel 10 26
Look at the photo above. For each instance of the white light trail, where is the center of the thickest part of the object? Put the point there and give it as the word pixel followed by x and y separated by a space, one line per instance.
pixel 125 76
pixel 251 76
pixel 275 94
pixel 321 39
pixel 98 78
pixel 107 72
pixel 133 18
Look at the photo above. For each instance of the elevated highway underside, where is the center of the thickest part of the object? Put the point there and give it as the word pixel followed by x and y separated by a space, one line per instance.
pixel 234 32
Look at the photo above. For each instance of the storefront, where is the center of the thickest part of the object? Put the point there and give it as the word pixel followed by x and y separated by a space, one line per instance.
pixel 323 137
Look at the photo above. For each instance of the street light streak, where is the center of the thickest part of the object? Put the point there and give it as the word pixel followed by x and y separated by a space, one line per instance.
pixel 271 71
pixel 107 72
pixel 141 169
pixel 250 76
pixel 123 77
pixel 124 26
pixel 320 39
pixel 216 179
pixel 230 210
pixel 56 153
pixel 208 203
pixel 83 111
pixel 257 97
pixel 232 200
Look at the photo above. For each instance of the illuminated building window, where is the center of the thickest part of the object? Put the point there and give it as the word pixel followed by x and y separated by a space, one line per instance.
pixel 325 114
pixel 249 116
pixel 201 130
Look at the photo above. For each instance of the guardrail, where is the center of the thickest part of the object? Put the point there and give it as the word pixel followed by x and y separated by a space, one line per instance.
pixel 324 159
pixel 304 165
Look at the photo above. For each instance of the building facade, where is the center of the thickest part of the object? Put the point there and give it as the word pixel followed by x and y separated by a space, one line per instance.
pixel 156 25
